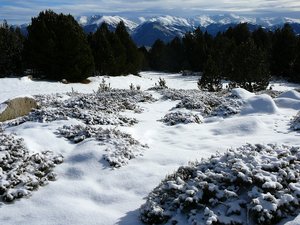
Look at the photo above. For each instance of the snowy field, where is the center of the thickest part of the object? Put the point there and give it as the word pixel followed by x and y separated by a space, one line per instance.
pixel 98 183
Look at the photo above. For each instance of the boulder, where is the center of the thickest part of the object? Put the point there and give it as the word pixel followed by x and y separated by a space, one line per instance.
pixel 16 107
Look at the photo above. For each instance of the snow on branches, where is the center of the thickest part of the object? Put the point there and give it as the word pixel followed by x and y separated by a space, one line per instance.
pixel 254 184
pixel 295 123
pixel 100 108
pixel 207 103
pixel 178 117
pixel 21 172
pixel 120 147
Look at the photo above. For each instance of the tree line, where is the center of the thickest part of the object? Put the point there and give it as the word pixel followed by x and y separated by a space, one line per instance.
pixel 57 48
pixel 245 58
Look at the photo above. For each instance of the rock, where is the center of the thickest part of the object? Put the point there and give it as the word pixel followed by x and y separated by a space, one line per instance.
pixel 16 107
pixel 64 81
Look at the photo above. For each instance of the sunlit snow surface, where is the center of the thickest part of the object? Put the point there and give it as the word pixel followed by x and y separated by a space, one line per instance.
pixel 88 191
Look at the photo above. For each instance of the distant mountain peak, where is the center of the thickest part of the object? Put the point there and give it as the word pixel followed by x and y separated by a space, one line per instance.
pixel 110 20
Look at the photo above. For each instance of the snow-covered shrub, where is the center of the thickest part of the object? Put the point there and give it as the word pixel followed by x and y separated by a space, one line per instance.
pixel 162 84
pixel 178 117
pixel 207 103
pixel 21 171
pixel 103 86
pixel 254 184
pixel 101 108
pixel 120 147
pixel 295 123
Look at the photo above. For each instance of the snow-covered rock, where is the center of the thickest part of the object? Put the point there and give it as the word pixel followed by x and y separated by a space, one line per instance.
pixel 254 184
pixel 16 107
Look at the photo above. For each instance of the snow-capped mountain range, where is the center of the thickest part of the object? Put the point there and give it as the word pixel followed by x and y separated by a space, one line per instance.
pixel 145 31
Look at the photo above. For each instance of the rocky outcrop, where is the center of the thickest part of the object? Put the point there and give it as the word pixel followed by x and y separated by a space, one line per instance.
pixel 16 107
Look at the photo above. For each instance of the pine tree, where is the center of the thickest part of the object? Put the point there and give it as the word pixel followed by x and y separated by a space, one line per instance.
pixel 158 57
pixel 296 67
pixel 284 51
pixel 11 48
pixel 57 48
pixel 175 55
pixel 133 56
pixel 102 50
pixel 250 67
pixel 211 78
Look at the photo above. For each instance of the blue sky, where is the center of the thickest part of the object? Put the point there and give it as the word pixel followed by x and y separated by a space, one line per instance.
pixel 21 11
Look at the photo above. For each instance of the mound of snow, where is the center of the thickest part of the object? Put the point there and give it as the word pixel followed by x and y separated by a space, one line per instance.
pixel 290 94
pixel 254 184
pixel 239 126
pixel 241 93
pixel 289 103
pixel 263 104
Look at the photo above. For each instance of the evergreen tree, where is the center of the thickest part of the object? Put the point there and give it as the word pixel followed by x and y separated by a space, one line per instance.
pixel 157 56
pixel 296 67
pixel 250 67
pixel 102 50
pixel 57 48
pixel 11 47
pixel 239 33
pixel 145 58
pixel 133 57
pixel 195 50
pixel 118 65
pixel 284 51
pixel 175 57
pixel 211 77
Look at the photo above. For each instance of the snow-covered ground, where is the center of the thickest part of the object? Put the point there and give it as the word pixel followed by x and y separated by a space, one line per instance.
pixel 89 191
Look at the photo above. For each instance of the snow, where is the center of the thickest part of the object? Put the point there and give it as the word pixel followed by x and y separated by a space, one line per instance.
pixel 242 93
pixel 260 104
pixel 2 107
pixel 90 191
pixel 171 21
pixel 292 94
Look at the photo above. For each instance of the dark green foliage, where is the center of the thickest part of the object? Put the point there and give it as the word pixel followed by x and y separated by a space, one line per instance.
pixel 132 55
pixel 250 68
pixel 158 56
pixel 57 48
pixel 196 50
pixel 211 78
pixel 144 58
pixel 296 66
pixel 102 50
pixel 284 51
pixel 11 47
pixel 239 34
pixel 114 52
